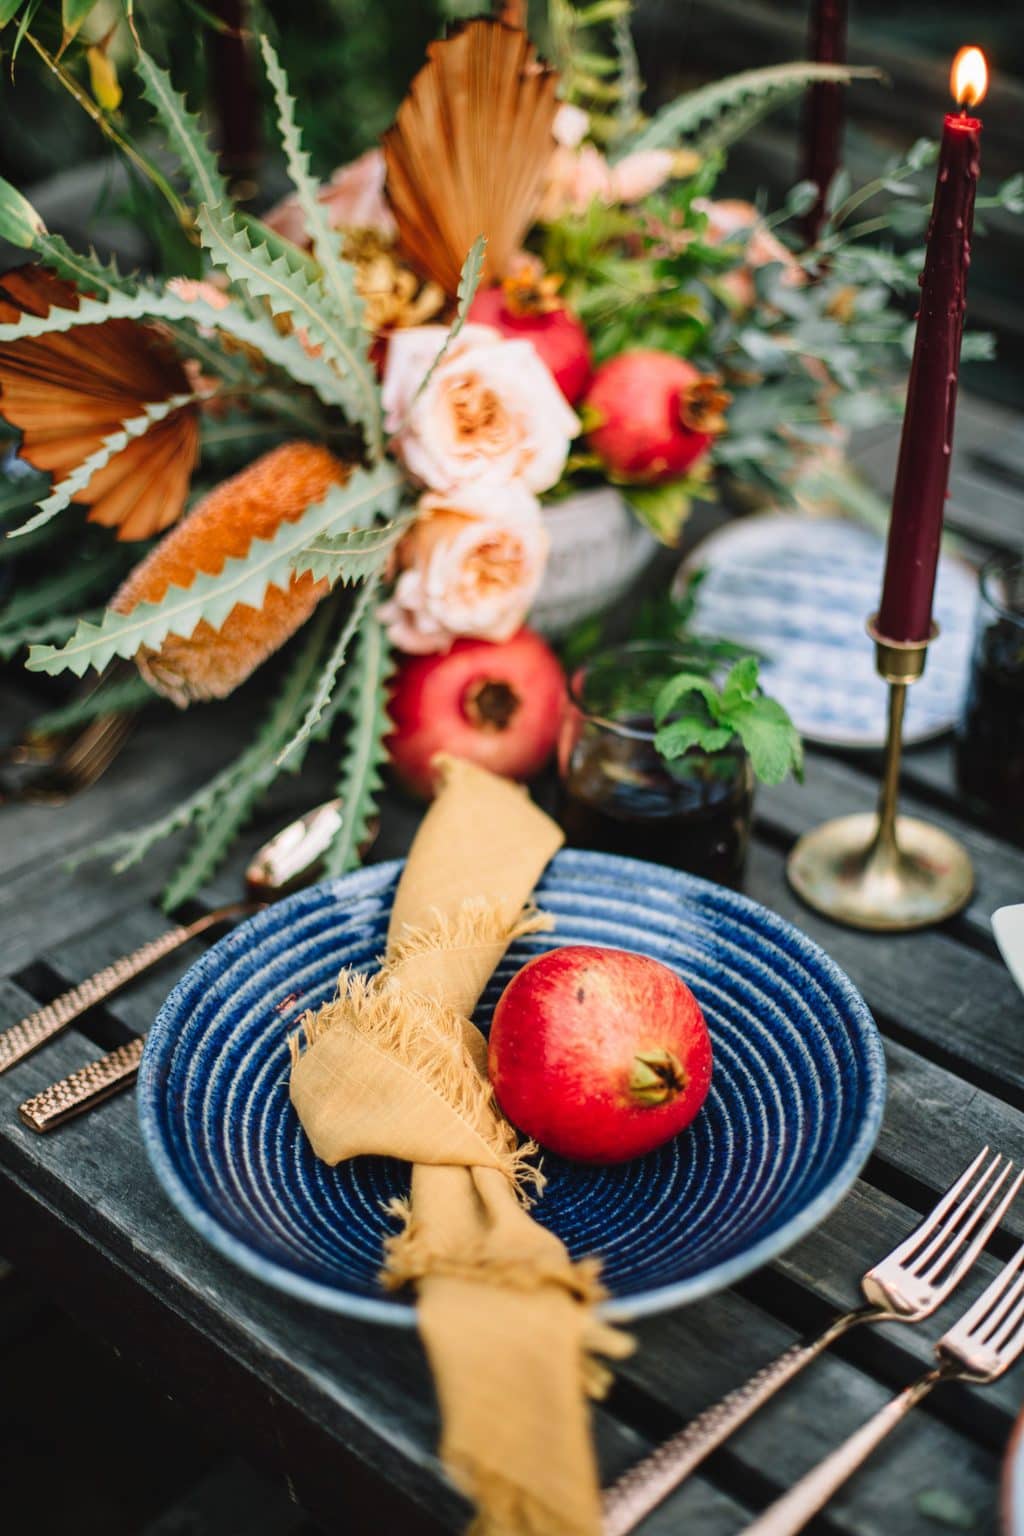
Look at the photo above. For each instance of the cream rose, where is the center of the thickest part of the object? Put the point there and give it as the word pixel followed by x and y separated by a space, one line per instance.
pixel 470 566
pixel 491 411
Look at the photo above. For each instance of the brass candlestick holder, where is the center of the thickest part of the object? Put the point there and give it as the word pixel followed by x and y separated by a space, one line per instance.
pixel 879 870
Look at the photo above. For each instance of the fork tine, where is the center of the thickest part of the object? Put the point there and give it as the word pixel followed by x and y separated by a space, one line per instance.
pixel 994 1324
pixel 963 1233
pixel 958 1213
pixel 1002 1339
pixel 975 1317
pixel 928 1225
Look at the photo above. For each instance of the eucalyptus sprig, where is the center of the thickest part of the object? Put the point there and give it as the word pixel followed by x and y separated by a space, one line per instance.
pixel 690 711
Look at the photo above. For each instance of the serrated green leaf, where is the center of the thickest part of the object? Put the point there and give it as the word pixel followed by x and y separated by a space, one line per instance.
pixel 770 738
pixel 365 752
pixel 350 557
pixel 675 740
pixel 741 683
pixel 110 446
pixel 19 221
pixel 325 683
pixel 87 272
pixel 289 292
pixel 148 303
pixel 223 814
pixel 268 562
pixel 469 281
pixel 680 687
pixel 712 107
pixel 339 278
pixel 185 134
pixel 11 642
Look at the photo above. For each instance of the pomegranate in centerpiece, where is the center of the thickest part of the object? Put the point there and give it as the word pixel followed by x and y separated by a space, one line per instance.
pixel 499 705
pixel 526 310
pixel 599 1054
pixel 655 415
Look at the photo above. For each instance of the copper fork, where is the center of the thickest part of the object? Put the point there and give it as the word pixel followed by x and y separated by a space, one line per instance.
pixel 908 1285
pixel 979 1348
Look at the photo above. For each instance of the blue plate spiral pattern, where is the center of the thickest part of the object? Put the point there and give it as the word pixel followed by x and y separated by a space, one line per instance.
pixel 795 1104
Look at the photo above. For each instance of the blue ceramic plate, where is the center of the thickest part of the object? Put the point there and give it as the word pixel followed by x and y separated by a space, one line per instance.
pixel 800 591
pixel 794 1109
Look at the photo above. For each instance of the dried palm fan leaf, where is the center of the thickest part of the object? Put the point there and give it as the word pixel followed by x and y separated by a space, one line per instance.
pixel 67 392
pixel 276 488
pixel 469 148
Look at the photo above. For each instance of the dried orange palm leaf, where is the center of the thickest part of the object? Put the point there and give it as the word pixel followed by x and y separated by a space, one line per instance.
pixel 210 663
pixel 468 151
pixel 68 392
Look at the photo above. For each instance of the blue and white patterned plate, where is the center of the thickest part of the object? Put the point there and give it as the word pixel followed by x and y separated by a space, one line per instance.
pixel 794 1109
pixel 800 590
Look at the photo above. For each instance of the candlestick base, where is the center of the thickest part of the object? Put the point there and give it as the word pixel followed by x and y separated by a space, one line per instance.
pixel 850 872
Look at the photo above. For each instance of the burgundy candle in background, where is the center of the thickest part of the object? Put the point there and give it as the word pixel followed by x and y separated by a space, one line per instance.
pixel 823 108
pixel 919 495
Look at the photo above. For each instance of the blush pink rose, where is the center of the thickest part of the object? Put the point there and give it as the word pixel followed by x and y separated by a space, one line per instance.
pixel 733 217
pixel 353 199
pixel 490 412
pixel 470 566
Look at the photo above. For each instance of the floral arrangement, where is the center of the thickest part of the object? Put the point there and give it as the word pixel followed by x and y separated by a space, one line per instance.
pixel 526 291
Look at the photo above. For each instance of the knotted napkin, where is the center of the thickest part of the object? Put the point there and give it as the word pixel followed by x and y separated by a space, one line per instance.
pixel 394 1066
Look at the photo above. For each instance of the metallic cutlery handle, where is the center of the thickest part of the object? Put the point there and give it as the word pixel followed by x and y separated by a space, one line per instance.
pixel 792 1511
pixel 21 1039
pixel 642 1487
pixel 81 1090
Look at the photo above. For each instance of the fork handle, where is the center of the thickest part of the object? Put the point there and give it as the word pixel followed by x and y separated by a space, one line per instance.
pixel 82 1090
pixel 792 1511
pixel 21 1039
pixel 643 1486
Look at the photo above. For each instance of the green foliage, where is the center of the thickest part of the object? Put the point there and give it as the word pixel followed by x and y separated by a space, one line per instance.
pixel 355 556
pixel 98 566
pixel 19 221
pixel 219 808
pixel 242 580
pixel 327 680
pixel 664 508
pixel 290 293
pixel 185 135
pixel 338 275
pixel 717 114
pixel 365 753
pixel 691 711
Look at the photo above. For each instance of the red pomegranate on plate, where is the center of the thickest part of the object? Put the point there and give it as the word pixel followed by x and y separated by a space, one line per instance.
pixel 599 1054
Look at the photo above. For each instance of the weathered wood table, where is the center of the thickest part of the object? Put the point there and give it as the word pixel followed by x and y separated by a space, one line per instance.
pixel 346 1410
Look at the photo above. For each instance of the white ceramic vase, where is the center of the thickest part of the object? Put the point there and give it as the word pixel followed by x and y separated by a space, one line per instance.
pixel 598 549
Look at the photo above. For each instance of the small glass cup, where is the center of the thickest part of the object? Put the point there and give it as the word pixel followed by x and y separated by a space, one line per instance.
pixel 619 795
pixel 990 739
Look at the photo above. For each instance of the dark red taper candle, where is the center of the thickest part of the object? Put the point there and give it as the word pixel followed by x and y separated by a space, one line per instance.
pixel 823 108
pixel 922 475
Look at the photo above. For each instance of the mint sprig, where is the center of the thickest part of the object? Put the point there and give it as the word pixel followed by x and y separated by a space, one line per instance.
pixel 690 711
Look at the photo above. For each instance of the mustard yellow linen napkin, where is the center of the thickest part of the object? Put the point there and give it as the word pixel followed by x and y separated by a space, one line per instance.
pixel 394 1066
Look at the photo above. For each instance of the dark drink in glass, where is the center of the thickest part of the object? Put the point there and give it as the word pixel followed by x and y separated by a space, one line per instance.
pixel 619 795
pixel 990 740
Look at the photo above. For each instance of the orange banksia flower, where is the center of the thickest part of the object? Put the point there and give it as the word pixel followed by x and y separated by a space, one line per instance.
pixel 67 392
pixel 211 663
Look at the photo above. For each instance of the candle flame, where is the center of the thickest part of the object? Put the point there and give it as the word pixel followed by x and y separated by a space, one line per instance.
pixel 969 77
